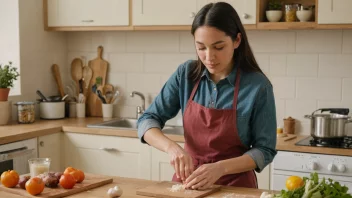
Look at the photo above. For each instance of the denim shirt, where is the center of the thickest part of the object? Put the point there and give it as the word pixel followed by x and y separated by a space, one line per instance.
pixel 256 114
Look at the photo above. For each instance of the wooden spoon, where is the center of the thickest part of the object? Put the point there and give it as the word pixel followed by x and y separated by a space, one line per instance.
pixel 77 72
pixel 57 76
pixel 87 76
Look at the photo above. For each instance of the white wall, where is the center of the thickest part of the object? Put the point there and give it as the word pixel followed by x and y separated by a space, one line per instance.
pixel 308 69
pixel 38 50
pixel 9 38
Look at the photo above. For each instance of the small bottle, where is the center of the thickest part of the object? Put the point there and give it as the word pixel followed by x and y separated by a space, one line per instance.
pixel 279 130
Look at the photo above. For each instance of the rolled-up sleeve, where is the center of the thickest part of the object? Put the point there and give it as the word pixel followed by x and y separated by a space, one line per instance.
pixel 165 106
pixel 263 129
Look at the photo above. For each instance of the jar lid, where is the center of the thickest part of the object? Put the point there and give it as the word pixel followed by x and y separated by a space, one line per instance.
pixel 25 103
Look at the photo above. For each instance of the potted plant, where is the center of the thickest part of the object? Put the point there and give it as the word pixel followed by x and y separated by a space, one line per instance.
pixel 8 74
pixel 274 11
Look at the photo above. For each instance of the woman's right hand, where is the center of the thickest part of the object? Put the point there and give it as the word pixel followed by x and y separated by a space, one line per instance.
pixel 181 161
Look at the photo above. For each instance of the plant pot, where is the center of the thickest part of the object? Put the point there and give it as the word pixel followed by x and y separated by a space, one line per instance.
pixel 304 15
pixel 5 112
pixel 273 15
pixel 4 94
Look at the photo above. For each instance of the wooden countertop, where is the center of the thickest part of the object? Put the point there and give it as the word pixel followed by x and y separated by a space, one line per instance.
pixel 15 132
pixel 129 187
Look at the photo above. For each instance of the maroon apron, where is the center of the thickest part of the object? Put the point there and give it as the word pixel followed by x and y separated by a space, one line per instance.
pixel 211 135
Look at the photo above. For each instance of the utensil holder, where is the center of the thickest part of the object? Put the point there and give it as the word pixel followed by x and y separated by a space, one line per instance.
pixel 81 110
pixel 107 110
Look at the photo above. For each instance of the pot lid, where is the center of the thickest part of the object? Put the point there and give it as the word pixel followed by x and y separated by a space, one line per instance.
pixel 332 116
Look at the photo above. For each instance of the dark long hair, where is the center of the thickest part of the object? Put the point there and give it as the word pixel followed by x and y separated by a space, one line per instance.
pixel 224 17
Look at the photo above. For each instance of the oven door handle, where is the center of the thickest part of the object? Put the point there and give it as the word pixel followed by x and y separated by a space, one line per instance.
pixel 15 153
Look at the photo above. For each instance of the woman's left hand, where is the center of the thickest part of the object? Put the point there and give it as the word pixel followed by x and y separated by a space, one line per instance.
pixel 205 176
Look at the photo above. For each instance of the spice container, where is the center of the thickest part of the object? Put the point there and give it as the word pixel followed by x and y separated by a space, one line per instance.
pixel 25 112
pixel 290 12
pixel 289 125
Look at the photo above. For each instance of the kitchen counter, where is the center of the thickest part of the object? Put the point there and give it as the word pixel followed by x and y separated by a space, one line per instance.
pixel 16 132
pixel 129 187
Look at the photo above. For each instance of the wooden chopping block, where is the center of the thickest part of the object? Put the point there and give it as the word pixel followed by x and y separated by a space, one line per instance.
pixel 162 189
pixel 99 68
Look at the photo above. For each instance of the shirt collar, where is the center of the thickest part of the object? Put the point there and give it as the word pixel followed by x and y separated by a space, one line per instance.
pixel 230 78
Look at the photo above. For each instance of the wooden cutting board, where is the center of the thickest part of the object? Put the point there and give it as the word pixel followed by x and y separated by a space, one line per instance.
pixel 99 68
pixel 286 137
pixel 162 189
pixel 90 181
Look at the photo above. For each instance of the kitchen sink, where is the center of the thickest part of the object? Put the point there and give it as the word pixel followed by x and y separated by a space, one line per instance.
pixel 131 124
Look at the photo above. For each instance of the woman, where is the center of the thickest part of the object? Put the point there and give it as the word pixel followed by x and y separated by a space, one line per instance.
pixel 227 104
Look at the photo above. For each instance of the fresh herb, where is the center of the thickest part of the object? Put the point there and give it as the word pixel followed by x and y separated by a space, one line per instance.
pixel 8 74
pixel 274 5
pixel 315 189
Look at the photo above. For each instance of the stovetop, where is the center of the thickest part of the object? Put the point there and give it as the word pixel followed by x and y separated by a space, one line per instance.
pixel 345 142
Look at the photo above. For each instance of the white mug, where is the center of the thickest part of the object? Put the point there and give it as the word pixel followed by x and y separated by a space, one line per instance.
pixel 107 110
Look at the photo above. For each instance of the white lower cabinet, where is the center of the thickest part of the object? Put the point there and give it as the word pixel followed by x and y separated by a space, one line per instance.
pixel 49 146
pixel 108 155
pixel 161 167
pixel 263 178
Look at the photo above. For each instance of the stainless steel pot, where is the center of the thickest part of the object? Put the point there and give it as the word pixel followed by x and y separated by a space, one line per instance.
pixel 329 125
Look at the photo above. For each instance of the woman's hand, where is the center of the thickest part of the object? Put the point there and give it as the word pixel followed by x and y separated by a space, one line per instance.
pixel 205 176
pixel 181 161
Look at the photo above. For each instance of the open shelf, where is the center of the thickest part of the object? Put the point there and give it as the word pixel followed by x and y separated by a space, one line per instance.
pixel 263 23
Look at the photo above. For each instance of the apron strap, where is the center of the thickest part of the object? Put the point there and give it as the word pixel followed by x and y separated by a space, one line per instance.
pixel 194 90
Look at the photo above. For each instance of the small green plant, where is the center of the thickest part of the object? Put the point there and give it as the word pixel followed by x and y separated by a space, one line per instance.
pixel 274 5
pixel 8 74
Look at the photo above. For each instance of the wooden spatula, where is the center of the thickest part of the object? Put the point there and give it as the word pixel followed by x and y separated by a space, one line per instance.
pixel 57 76
pixel 87 77
pixel 77 72
pixel 99 68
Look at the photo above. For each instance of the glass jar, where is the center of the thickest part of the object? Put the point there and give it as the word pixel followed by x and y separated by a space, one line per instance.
pixel 25 112
pixel 290 12
pixel 39 166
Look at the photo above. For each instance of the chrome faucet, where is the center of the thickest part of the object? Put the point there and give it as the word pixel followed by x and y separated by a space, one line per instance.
pixel 140 109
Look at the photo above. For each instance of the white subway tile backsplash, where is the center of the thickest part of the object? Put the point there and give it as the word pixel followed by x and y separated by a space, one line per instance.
pixel 319 88
pixel 347 41
pixel 284 87
pixel 165 63
pixel 187 42
pixel 280 111
pixel 298 108
pixel 335 65
pixel 308 69
pixel 158 41
pixel 272 41
pixel 278 65
pixel 302 65
pixel 263 62
pixel 126 62
pixel 315 41
pixel 148 83
pixel 347 89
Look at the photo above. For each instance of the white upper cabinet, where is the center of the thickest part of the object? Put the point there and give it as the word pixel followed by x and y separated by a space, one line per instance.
pixel 246 9
pixel 334 12
pixel 88 13
pixel 163 12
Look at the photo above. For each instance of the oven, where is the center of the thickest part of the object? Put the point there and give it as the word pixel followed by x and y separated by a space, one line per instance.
pixel 14 156
pixel 285 164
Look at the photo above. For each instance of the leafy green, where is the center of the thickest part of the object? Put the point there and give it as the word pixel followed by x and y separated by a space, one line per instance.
pixel 8 74
pixel 315 189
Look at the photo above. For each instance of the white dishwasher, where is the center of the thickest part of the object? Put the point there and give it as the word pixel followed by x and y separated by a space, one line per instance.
pixel 285 164
pixel 15 155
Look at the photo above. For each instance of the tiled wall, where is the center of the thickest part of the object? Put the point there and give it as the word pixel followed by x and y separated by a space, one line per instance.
pixel 308 69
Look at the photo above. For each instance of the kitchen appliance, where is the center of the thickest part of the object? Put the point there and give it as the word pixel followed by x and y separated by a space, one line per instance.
pixel 15 156
pixel 345 142
pixel 285 164
pixel 330 125
pixel 52 110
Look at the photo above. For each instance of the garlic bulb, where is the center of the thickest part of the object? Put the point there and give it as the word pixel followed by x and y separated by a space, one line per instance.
pixel 115 192
pixel 266 195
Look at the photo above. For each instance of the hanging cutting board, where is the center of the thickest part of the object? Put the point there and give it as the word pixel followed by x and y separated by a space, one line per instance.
pixel 91 181
pixel 162 189
pixel 100 69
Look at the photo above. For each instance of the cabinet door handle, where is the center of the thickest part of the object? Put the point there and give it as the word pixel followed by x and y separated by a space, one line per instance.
pixel 245 16
pixel 107 149
pixel 87 21
pixel 41 143
pixel 192 15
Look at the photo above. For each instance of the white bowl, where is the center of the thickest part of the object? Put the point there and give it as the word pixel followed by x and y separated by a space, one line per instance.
pixel 273 15
pixel 304 15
